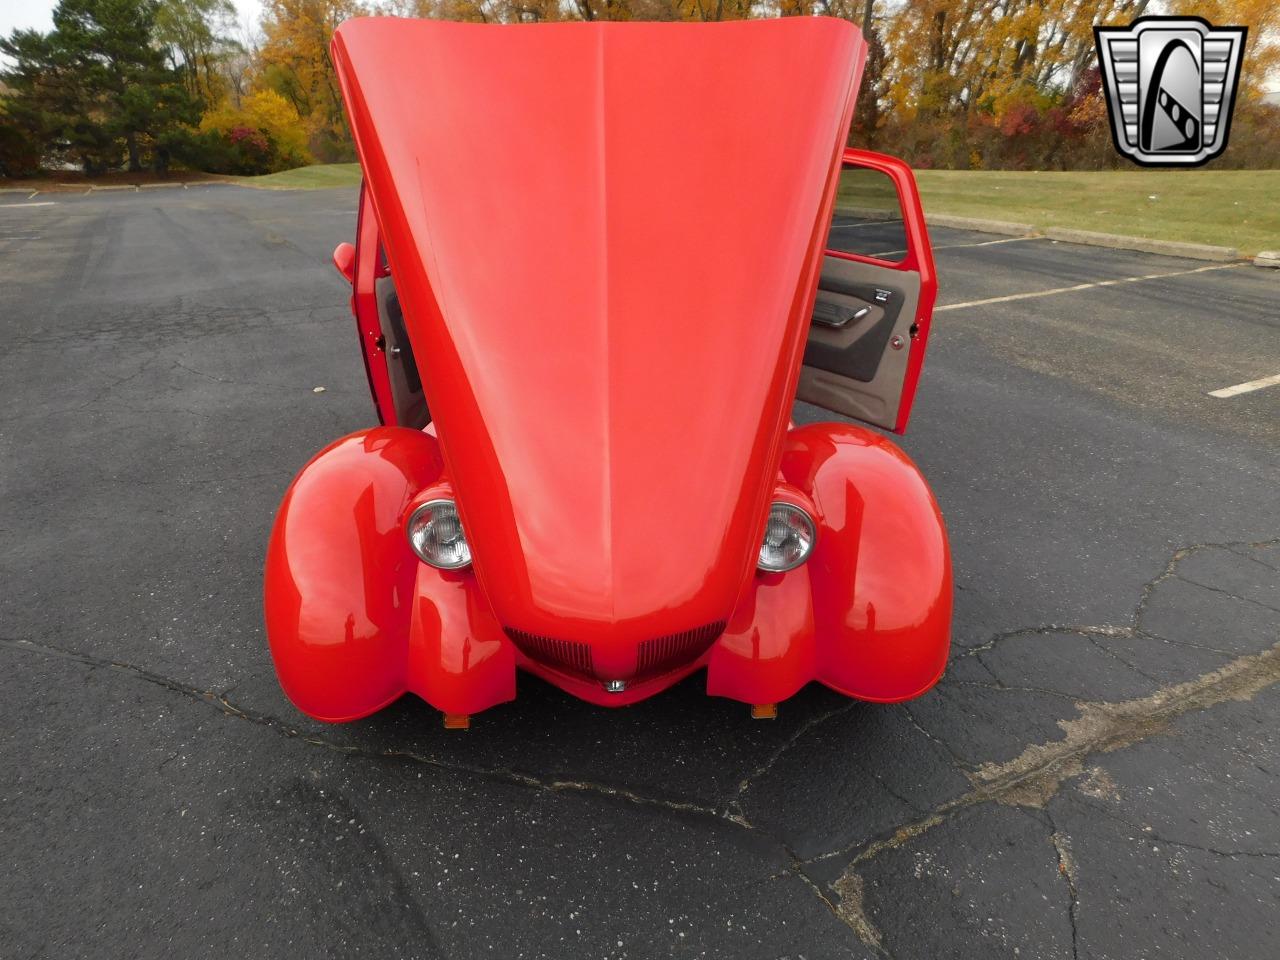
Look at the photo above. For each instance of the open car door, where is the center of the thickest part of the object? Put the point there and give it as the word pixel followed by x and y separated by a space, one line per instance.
pixel 875 296
pixel 394 379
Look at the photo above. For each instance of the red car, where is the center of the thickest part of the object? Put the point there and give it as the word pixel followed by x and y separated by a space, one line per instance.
pixel 595 264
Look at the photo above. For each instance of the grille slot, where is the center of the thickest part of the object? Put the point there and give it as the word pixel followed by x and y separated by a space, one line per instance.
pixel 676 649
pixel 656 655
pixel 565 654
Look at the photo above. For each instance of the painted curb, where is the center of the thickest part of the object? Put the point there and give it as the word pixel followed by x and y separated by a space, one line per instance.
pixel 1171 248
pixel 15 189
pixel 94 188
pixel 160 186
pixel 982 226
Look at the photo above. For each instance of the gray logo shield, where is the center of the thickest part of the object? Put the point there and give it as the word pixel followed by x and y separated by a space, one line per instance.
pixel 1170 83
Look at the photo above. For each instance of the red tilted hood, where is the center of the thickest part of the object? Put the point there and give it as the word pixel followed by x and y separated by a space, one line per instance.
pixel 605 237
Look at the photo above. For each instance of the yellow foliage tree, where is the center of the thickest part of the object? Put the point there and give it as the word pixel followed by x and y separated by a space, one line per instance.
pixel 294 62
pixel 959 55
pixel 271 113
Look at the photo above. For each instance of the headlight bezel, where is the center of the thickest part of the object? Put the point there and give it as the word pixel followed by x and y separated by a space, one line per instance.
pixel 799 523
pixel 446 509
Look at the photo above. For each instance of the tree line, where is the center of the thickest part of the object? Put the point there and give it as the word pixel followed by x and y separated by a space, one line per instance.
pixel 948 83
pixel 143 84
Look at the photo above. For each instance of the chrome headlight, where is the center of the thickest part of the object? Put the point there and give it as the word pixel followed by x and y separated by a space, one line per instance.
pixel 435 533
pixel 789 536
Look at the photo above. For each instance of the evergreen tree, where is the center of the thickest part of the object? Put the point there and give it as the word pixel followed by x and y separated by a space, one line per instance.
pixel 98 87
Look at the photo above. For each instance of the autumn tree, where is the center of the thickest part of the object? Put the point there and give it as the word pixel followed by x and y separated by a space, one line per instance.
pixel 1262 47
pixel 483 11
pixel 195 36
pixel 963 55
pixel 295 63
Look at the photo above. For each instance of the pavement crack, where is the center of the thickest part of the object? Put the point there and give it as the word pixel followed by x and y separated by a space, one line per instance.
pixel 1171 569
pixel 999 684
pixel 1214 851
pixel 1034 776
pixel 1107 651
pixel 849 909
pixel 734 805
pixel 1149 835
pixel 579 786
pixel 1102 630
pixel 1228 593
pixel 852 909
pixel 1207 647
pixel 957 761
pixel 1067 868
pixel 1240 551
pixel 102 393
pixel 220 702
pixel 178 364
pixel 1100 727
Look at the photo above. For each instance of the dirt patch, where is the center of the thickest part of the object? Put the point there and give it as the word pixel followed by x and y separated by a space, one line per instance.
pixel 852 910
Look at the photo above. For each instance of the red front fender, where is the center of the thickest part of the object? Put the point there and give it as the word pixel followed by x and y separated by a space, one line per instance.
pixel 882 575
pixel 354 619
pixel 869 614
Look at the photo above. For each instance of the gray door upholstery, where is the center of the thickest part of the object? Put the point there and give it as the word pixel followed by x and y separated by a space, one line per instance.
pixel 406 384
pixel 860 339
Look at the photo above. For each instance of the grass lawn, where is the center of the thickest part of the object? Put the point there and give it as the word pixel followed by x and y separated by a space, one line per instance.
pixel 307 178
pixel 1234 208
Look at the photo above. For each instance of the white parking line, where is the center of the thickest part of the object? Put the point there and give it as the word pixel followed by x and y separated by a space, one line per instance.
pixel 38 203
pixel 956 246
pixel 1082 286
pixel 863 223
pixel 1247 387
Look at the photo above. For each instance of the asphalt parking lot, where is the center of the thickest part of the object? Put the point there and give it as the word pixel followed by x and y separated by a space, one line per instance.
pixel 1095 777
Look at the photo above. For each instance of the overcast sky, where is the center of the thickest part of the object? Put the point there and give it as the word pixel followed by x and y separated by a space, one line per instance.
pixel 38 14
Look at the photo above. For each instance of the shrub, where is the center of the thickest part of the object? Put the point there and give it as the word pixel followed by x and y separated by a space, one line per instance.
pixel 1253 138
pixel 242 150
pixel 265 132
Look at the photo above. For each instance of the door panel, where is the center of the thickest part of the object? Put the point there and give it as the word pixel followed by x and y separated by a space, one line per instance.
pixel 860 340
pixel 875 297
pixel 394 382
pixel 406 384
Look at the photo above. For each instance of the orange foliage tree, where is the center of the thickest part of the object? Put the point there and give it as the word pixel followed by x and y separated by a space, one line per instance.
pixel 294 61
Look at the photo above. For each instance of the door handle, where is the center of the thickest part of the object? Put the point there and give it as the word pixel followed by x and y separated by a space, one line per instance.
pixel 833 315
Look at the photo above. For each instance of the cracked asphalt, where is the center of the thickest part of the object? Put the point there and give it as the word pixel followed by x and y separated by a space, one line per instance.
pixel 1095 777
